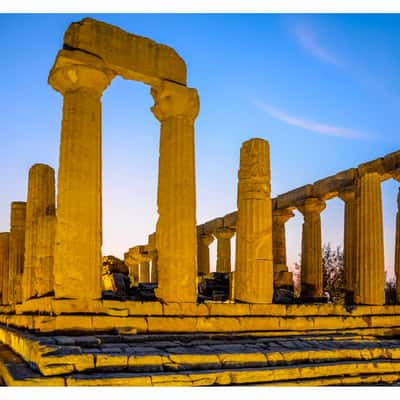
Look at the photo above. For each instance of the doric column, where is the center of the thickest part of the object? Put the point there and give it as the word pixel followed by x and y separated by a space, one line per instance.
pixel 350 239
pixel 254 272
pixel 77 253
pixel 311 248
pixel 154 267
pixel 279 219
pixel 144 272
pixel 203 253
pixel 133 267
pixel 4 251
pixel 224 236
pixel 40 209
pixel 16 251
pixel 176 107
pixel 370 287
pixel 397 249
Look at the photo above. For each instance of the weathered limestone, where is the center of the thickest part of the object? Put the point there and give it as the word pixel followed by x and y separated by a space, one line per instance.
pixel 224 236
pixel 203 253
pixel 77 254
pixel 152 246
pixel 350 239
pixel 131 56
pixel 133 266
pixel 176 107
pixel 154 267
pixel 397 249
pixel 37 278
pixel 282 277
pixel 311 248
pixel 144 275
pixel 4 250
pixel 16 251
pixel 370 285
pixel 254 258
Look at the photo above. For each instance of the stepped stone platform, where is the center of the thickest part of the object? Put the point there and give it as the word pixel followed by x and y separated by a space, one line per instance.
pixel 202 359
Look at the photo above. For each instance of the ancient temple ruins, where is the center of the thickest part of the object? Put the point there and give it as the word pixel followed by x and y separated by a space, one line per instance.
pixel 63 319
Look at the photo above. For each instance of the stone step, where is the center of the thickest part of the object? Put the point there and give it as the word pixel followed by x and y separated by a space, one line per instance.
pixel 15 372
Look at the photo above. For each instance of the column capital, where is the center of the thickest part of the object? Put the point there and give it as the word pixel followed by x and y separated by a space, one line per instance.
pixel 72 77
pixel 312 205
pixel 396 175
pixel 173 100
pixel 281 215
pixel 224 233
pixel 206 239
pixel 348 195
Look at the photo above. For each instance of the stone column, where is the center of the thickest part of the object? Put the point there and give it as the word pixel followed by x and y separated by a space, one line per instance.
pixel 77 253
pixel 133 267
pixel 279 219
pixel 176 107
pixel 311 248
pixel 397 249
pixel 16 251
pixel 370 287
pixel 224 236
pixel 254 272
pixel 40 209
pixel 350 240
pixel 203 253
pixel 4 249
pixel 144 272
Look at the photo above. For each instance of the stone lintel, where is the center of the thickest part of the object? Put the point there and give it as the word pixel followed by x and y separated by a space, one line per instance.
pixel 294 197
pixel 213 225
pixel 230 220
pixel 129 55
pixel 200 230
pixel 372 166
pixel 392 161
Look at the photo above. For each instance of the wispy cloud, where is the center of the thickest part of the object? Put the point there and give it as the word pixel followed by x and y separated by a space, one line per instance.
pixel 313 126
pixel 309 41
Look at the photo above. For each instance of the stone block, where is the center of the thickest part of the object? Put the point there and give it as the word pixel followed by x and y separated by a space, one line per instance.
pixel 294 197
pixel 144 308
pixel 108 323
pixel 230 220
pixel 227 309
pixel 138 58
pixel 171 324
pixel 111 361
pixel 211 226
pixel 104 380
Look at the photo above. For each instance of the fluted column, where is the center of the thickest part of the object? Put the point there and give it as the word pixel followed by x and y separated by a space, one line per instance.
pixel 154 267
pixel 370 288
pixel 133 267
pixel 254 258
pixel 176 107
pixel 16 251
pixel 224 236
pixel 203 253
pixel 40 209
pixel 311 248
pixel 4 251
pixel 397 249
pixel 144 272
pixel 77 253
pixel 350 239
pixel 279 219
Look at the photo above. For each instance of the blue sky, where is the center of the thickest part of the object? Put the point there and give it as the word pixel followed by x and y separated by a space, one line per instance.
pixel 324 90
